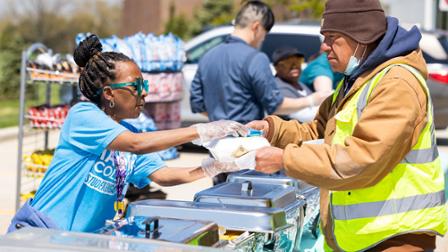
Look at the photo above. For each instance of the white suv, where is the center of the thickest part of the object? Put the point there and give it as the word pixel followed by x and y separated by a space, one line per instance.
pixel 306 38
pixel 434 45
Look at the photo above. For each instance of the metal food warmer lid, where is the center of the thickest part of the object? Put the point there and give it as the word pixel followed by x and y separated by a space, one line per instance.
pixel 278 178
pixel 203 233
pixel 249 194
pixel 52 240
pixel 238 218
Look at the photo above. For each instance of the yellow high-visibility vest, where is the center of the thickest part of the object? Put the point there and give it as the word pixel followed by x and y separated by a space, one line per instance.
pixel 409 199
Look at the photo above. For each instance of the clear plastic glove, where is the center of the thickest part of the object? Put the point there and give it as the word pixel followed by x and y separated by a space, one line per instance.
pixel 212 167
pixel 218 129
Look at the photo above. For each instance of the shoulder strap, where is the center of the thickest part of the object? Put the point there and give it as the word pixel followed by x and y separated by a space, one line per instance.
pixel 411 69
pixel 377 78
pixel 337 90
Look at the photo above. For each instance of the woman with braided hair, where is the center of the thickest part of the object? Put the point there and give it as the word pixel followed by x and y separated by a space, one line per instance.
pixel 98 154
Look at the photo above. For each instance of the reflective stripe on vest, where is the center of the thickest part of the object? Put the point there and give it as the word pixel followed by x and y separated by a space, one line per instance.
pixel 409 199
pixel 387 207
pixel 414 156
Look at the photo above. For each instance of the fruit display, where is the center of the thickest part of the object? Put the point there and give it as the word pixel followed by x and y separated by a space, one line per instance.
pixel 49 67
pixel 47 116
pixel 26 196
pixel 38 161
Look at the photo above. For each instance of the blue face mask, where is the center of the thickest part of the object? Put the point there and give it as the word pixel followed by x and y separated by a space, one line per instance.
pixel 353 62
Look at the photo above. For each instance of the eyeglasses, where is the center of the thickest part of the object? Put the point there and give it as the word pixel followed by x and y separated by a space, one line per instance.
pixel 329 39
pixel 291 62
pixel 139 84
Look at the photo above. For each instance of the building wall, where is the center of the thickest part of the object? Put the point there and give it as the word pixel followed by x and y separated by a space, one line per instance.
pixel 184 7
pixel 151 15
pixel 140 15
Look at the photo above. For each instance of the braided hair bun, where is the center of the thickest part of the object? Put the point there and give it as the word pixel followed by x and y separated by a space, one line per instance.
pixel 98 67
pixel 87 49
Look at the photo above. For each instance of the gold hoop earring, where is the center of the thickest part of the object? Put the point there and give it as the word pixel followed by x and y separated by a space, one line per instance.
pixel 111 104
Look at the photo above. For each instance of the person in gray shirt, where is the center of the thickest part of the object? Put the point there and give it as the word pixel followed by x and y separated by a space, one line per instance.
pixel 288 62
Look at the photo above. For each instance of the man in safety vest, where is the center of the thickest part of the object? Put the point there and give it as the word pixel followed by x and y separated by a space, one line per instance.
pixel 382 186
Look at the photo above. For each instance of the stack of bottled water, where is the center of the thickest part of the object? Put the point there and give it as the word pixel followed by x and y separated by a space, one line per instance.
pixel 164 53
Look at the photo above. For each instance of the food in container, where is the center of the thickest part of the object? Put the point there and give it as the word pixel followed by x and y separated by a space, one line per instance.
pixel 230 148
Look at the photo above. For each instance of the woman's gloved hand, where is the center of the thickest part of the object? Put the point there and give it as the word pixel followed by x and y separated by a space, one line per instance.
pixel 218 129
pixel 212 167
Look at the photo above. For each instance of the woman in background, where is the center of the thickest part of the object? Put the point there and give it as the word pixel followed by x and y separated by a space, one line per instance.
pixel 288 66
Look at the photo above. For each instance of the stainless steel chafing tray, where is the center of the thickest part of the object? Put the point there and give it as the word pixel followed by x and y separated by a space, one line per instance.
pixel 278 178
pixel 242 218
pixel 52 240
pixel 305 191
pixel 203 233
pixel 249 194
pixel 266 195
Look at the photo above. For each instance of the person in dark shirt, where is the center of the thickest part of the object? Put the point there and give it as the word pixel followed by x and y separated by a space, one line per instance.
pixel 234 80
pixel 288 65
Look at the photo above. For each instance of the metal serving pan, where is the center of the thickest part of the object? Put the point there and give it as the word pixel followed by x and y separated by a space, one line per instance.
pixel 52 240
pixel 203 233
pixel 249 194
pixel 240 218
pixel 278 178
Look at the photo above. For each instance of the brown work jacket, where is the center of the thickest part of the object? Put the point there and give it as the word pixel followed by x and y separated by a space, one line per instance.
pixel 388 128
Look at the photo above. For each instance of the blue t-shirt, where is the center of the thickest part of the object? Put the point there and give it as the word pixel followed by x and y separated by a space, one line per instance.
pixel 78 190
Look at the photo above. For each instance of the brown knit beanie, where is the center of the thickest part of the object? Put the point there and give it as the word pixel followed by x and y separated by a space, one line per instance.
pixel 362 20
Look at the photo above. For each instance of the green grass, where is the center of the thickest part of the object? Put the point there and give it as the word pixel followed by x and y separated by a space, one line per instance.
pixel 9 108
pixel 9 113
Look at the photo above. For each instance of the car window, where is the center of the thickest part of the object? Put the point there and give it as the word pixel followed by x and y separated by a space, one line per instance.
pixel 307 44
pixel 195 53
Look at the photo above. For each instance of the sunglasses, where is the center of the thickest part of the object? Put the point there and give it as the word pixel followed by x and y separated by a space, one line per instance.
pixel 139 84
